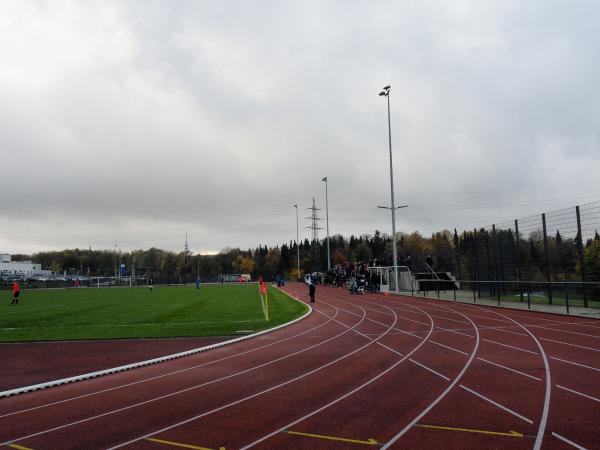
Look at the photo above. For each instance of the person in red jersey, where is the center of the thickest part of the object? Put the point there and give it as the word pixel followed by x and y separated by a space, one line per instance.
pixel 16 290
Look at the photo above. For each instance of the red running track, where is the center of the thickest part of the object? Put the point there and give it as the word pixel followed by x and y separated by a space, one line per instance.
pixel 361 371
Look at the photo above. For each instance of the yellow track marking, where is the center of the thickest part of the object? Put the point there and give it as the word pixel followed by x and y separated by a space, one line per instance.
pixel 371 441
pixel 19 447
pixel 179 444
pixel 469 430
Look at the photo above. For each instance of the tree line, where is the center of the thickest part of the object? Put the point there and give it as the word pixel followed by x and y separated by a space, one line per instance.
pixel 470 255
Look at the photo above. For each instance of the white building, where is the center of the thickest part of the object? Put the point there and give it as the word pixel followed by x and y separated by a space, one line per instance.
pixel 20 268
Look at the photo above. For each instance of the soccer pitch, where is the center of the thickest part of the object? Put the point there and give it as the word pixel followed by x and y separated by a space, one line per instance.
pixel 166 311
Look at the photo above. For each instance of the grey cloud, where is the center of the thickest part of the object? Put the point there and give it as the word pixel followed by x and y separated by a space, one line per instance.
pixel 136 122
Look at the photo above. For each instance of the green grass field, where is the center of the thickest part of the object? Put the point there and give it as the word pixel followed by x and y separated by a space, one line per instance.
pixel 167 311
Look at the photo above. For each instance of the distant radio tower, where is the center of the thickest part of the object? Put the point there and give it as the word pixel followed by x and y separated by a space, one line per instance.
pixel 315 229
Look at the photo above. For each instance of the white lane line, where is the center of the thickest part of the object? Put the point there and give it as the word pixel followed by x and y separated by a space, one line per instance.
pixel 579 393
pixel 548 389
pixel 456 332
pixel 429 369
pixel 575 364
pixel 449 348
pixel 392 308
pixel 572 345
pixel 175 372
pixel 181 391
pixel 566 331
pixel 510 369
pixel 490 318
pixel 452 320
pixel 301 419
pixel 272 388
pixel 368 336
pixel 510 346
pixel 567 441
pixel 504 330
pixel 440 397
pixel 504 408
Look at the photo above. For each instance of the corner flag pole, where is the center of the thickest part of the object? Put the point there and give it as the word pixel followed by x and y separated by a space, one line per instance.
pixel 267 302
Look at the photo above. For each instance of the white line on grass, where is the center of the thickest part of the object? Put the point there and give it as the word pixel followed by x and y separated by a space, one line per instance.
pixel 262 302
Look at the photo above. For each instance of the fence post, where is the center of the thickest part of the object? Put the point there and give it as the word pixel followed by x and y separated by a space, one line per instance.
pixel 477 273
pixel 496 287
pixel 579 244
pixel 487 250
pixel 501 255
pixel 567 297
pixel 518 255
pixel 546 258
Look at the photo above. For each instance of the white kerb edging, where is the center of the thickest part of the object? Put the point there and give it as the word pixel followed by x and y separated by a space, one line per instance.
pixel 100 373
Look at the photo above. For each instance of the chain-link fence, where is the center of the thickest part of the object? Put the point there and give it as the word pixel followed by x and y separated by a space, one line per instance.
pixel 557 247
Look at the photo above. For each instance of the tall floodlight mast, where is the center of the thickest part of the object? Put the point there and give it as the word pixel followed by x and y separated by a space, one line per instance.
pixel 386 93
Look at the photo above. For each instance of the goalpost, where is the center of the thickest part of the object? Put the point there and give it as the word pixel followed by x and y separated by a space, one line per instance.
pixel 98 282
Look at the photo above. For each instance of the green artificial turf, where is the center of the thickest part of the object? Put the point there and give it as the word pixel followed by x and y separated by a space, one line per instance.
pixel 166 311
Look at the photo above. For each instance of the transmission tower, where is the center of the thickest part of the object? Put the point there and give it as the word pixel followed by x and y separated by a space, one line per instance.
pixel 186 248
pixel 315 230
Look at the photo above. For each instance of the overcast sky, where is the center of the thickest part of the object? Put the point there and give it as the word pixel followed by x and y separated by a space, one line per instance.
pixel 134 122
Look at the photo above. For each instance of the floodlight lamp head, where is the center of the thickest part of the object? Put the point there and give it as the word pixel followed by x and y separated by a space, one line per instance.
pixel 387 88
pixel 383 94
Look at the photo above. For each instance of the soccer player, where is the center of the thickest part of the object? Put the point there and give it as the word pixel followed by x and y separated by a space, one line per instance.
pixel 198 283
pixel 16 290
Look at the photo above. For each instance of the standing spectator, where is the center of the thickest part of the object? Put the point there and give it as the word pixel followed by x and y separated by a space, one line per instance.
pixel 312 288
pixel 16 290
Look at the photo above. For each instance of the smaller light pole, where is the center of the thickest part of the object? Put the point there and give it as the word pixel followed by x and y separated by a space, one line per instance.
pixel 297 241
pixel 115 263
pixel 327 217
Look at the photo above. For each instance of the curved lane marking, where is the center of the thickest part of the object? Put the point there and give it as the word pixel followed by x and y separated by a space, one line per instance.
pixel 99 373
pixel 272 388
pixel 544 419
pixel 453 383
pixel 346 395
pixel 179 391
pixel 175 372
